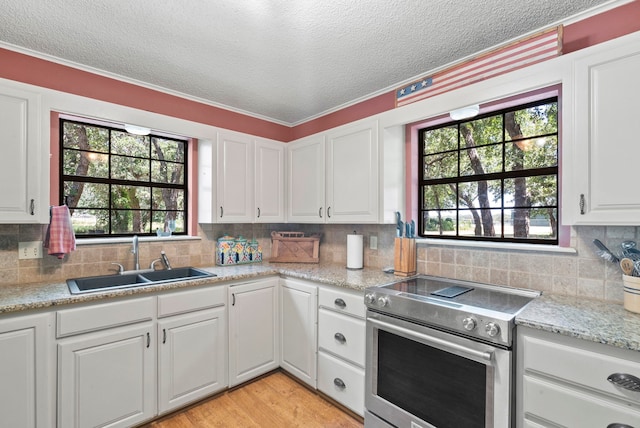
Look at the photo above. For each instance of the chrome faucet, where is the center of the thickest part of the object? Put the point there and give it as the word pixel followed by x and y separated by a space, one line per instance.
pixel 136 253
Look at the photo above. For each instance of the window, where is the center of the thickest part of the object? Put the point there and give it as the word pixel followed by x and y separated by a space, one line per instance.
pixel 118 184
pixel 493 177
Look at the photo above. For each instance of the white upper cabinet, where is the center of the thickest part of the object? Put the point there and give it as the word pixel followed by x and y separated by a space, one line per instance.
pixel 333 177
pixel 235 178
pixel 269 182
pixel 602 157
pixel 23 172
pixel 305 162
pixel 352 174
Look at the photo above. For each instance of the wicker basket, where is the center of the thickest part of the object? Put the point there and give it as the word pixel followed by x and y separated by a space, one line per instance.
pixel 294 247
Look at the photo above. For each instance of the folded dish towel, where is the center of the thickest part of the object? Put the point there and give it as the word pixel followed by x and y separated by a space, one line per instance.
pixel 60 238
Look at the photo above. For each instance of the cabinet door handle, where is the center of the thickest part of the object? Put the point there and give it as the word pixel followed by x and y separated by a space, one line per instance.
pixel 221 211
pixel 340 338
pixel 339 383
pixel 329 212
pixel 616 425
pixel 233 299
pixel 582 204
pixel 625 380
pixel 320 212
pixel 148 339
pixel 340 303
pixel 258 212
pixel 32 207
pixel 164 336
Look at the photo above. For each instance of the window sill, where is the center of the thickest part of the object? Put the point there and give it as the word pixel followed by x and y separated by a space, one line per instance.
pixel 498 246
pixel 127 240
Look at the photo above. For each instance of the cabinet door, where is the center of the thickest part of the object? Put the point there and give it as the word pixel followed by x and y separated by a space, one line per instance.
pixel 26 390
pixel 253 329
pixel 192 355
pixel 269 185
pixel 352 174
pixel 305 170
pixel 235 178
pixel 208 208
pixel 21 162
pixel 604 152
pixel 107 378
pixel 298 327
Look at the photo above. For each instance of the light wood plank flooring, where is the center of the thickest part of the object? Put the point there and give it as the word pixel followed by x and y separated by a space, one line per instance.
pixel 272 401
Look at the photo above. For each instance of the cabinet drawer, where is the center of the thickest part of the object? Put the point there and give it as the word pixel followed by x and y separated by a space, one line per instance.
pixel 342 335
pixel 104 315
pixel 578 365
pixel 191 300
pixel 350 302
pixel 572 408
pixel 341 381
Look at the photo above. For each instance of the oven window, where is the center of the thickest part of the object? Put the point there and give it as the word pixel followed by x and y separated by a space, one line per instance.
pixel 438 387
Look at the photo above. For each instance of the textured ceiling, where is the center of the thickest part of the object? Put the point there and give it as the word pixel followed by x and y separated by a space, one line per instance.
pixel 286 60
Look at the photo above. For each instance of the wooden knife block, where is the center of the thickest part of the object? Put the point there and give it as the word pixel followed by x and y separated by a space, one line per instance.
pixel 405 257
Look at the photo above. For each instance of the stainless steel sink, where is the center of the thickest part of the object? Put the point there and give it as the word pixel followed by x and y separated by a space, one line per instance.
pixel 94 284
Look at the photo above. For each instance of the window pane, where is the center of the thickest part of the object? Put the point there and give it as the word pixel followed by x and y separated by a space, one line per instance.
pixel 85 164
pixel 471 194
pixel 439 223
pixel 124 168
pixel 481 160
pixel 481 131
pixel 441 140
pixel 480 223
pixel 85 137
pixel 123 143
pixel 92 195
pixel 169 150
pixel 532 121
pixel 90 222
pixel 441 165
pixel 130 221
pixel 166 172
pixel 130 197
pixel 532 153
pixel 537 191
pixel 441 196
pixel 168 199
pixel 163 219
pixel 541 223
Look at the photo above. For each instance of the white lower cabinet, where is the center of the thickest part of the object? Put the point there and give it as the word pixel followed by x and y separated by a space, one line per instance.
pixel 298 329
pixel 562 382
pixel 254 344
pixel 27 379
pixel 341 346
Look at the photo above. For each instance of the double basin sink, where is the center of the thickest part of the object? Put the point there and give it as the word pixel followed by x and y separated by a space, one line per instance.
pixel 93 284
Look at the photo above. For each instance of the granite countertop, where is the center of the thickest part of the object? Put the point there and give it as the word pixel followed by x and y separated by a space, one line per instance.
pixel 592 320
pixel 22 297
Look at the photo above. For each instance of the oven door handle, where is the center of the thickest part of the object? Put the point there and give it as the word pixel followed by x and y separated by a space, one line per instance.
pixel 442 344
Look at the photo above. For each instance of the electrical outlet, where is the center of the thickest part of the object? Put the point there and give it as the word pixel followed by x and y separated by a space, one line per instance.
pixel 30 250
pixel 373 242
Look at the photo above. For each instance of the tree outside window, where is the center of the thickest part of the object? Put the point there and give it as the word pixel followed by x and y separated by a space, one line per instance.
pixel 119 184
pixel 493 178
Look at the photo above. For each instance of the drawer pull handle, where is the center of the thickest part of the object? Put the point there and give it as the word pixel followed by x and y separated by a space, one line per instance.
pixel 148 339
pixel 164 336
pixel 340 338
pixel 625 380
pixel 339 383
pixel 340 303
pixel 616 425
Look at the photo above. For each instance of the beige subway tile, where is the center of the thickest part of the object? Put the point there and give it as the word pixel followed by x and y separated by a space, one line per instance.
pixel 565 266
pixel 591 269
pixel 519 279
pixel 499 276
pixel 613 291
pixel 565 285
pixel 9 277
pixel 591 288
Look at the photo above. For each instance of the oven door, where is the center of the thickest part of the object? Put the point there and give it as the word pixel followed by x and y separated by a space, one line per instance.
pixel 418 377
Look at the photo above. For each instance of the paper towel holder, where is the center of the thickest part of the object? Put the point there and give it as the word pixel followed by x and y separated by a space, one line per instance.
pixel 355 251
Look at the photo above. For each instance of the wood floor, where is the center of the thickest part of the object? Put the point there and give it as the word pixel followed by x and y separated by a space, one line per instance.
pixel 273 401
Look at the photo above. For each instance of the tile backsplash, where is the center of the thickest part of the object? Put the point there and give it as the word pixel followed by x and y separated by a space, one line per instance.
pixel 581 274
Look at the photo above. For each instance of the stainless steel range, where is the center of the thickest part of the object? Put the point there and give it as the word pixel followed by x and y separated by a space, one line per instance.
pixel 439 353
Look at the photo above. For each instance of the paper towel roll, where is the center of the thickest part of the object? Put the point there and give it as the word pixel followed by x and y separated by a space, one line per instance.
pixel 355 251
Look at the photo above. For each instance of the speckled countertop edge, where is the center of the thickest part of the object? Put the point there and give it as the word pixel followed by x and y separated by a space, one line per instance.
pixel 592 320
pixel 23 297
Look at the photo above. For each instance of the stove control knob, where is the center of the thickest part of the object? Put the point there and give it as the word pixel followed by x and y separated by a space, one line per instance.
pixel 492 329
pixel 383 301
pixel 370 298
pixel 469 323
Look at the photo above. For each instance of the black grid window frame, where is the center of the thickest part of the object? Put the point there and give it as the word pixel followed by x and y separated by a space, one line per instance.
pixel 501 176
pixel 63 178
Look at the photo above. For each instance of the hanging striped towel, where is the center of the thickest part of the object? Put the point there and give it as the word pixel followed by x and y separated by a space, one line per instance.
pixel 60 238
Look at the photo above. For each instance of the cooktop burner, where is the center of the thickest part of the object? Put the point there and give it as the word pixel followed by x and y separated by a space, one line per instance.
pixel 482 311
